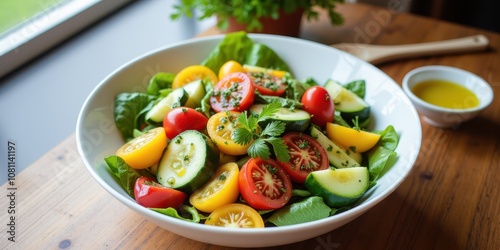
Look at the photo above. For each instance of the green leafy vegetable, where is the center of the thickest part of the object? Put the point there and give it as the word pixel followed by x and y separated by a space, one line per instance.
pixel 310 209
pixel 205 107
pixel 380 154
pixel 249 130
pixel 128 107
pixel 159 81
pixel 285 102
pixel 126 174
pixel 358 87
pixel 389 138
pixel 184 210
pixel 296 88
pixel 239 47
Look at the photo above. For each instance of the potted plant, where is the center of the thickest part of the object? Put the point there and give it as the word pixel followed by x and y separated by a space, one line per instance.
pixel 280 17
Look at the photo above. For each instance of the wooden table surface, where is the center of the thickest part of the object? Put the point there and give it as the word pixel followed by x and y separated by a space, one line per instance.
pixel 450 200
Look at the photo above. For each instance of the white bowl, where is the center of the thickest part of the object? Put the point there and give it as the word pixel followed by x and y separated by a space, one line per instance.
pixel 446 117
pixel 98 138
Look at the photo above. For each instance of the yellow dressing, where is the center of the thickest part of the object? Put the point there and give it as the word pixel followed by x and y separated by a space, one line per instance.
pixel 445 94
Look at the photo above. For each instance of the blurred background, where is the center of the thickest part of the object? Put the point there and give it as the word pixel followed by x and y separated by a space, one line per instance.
pixel 483 14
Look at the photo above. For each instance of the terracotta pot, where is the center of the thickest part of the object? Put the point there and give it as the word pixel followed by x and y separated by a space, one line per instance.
pixel 288 24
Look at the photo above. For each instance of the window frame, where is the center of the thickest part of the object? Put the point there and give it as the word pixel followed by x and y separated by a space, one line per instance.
pixel 50 28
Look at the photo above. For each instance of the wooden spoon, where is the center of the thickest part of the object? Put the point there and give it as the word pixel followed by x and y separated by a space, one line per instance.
pixel 383 53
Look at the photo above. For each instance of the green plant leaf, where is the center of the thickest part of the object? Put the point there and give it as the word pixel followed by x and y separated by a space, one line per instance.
pixel 310 209
pixel 273 129
pixel 159 81
pixel 185 213
pixel 259 149
pixel 379 157
pixel 279 148
pixel 239 47
pixel 125 174
pixel 128 108
pixel 250 13
pixel 357 87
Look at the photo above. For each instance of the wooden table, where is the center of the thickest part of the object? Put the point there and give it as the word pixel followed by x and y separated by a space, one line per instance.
pixel 451 199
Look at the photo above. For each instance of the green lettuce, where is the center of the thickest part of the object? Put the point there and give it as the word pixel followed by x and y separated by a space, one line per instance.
pixel 185 213
pixel 379 156
pixel 125 174
pixel 129 111
pixel 357 87
pixel 160 81
pixel 239 47
pixel 310 209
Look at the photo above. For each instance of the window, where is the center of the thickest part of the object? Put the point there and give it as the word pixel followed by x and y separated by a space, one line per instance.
pixel 44 24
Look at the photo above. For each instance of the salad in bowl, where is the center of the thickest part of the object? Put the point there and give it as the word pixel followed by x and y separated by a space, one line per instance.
pixel 241 141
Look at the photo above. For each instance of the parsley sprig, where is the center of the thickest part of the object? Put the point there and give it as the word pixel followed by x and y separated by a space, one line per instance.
pixel 249 130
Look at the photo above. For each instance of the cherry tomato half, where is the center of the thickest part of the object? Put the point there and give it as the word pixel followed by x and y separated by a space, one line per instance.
pixel 145 150
pixel 149 193
pixel 319 104
pixel 306 155
pixel 234 92
pixel 220 190
pixel 268 84
pixel 220 128
pixel 235 215
pixel 264 184
pixel 180 119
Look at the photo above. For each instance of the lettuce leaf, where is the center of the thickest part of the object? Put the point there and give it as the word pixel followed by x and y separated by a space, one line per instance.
pixel 185 213
pixel 310 209
pixel 239 47
pixel 159 81
pixel 125 174
pixel 128 108
pixel 296 88
pixel 379 156
pixel 358 87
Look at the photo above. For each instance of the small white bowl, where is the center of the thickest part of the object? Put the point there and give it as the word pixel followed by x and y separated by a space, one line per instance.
pixel 447 117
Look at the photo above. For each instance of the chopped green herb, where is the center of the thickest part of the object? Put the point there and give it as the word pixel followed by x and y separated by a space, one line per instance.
pixel 248 130
pixel 222 177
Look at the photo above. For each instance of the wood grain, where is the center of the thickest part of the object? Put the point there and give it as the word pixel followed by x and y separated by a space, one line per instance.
pixel 450 200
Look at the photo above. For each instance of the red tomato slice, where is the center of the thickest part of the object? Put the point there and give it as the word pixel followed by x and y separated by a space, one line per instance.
pixel 306 155
pixel 264 184
pixel 319 104
pixel 234 92
pixel 268 84
pixel 149 193
pixel 180 119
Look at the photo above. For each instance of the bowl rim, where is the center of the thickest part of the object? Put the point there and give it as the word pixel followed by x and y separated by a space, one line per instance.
pixel 353 212
pixel 484 102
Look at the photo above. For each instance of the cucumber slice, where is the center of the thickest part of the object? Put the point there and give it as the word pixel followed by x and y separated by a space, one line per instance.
pixel 196 92
pixel 176 98
pixel 295 120
pixel 190 159
pixel 338 187
pixel 348 103
pixel 337 155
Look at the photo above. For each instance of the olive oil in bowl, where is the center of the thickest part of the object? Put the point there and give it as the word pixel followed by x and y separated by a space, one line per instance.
pixel 445 94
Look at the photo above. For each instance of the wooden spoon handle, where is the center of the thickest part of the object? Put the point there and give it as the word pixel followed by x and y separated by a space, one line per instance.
pixel 466 44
